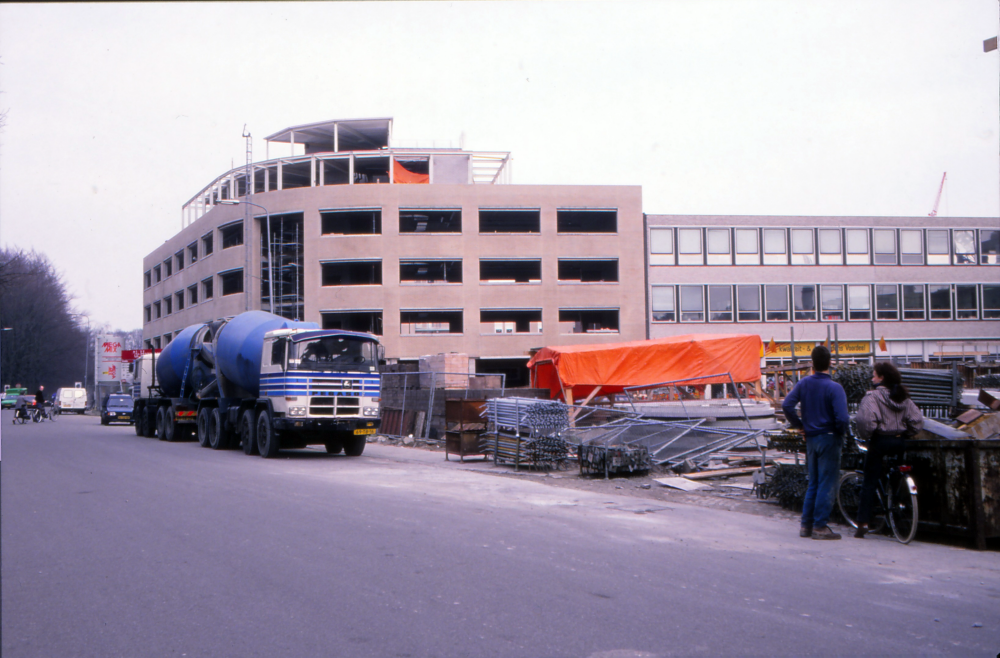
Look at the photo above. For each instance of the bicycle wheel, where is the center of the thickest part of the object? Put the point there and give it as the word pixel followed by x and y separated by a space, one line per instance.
pixel 903 511
pixel 849 497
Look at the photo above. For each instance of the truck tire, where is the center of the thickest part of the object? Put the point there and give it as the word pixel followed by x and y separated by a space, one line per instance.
pixel 334 447
pixel 247 430
pixel 137 421
pixel 203 417
pixel 161 421
pixel 217 437
pixel 354 446
pixel 267 439
pixel 148 424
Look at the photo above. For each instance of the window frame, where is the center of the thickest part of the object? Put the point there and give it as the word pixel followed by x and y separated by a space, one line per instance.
pixel 725 316
pixel 746 257
pixel 924 312
pixel 827 310
pixel 653 303
pixel 937 257
pixel 774 257
pixel 739 298
pixel 829 257
pixel 851 255
pixel 803 315
pixel 690 257
pixel 897 297
pixel 851 311
pixel 701 315
pixel 774 287
pixel 662 257
pixel 939 288
pixel 797 256
pixel 885 257
pixel 718 257
pixel 222 278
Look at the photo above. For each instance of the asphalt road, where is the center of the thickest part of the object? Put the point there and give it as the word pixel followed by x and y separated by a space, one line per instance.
pixel 114 545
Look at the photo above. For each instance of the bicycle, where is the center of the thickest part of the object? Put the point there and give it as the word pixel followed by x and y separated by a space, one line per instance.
pixel 20 416
pixel 895 500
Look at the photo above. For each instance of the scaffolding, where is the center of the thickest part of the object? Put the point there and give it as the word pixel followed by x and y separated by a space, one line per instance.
pixel 285 244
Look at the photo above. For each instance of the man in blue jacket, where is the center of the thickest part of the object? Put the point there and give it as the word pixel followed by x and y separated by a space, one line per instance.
pixel 825 423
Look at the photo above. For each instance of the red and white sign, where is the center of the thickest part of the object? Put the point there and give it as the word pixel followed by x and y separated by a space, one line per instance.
pixel 109 358
pixel 129 356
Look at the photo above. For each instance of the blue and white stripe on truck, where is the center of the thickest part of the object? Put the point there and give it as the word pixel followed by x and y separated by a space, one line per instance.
pixel 305 383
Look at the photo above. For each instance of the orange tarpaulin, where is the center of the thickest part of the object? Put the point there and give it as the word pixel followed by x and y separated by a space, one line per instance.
pixel 614 367
pixel 402 175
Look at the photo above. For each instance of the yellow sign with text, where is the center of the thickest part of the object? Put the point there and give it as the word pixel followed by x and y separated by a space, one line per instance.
pixel 804 348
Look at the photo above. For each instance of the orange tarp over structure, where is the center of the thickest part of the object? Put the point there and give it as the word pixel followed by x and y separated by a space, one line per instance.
pixel 402 175
pixel 614 367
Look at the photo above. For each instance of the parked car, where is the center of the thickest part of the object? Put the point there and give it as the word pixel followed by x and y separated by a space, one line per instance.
pixel 117 408
pixel 10 397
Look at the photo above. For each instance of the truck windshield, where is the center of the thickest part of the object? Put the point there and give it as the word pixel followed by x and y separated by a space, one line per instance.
pixel 342 353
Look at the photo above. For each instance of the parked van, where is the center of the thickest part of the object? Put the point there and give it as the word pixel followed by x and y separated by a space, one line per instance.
pixel 71 399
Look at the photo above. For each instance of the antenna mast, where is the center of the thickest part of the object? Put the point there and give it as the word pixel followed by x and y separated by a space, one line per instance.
pixel 933 213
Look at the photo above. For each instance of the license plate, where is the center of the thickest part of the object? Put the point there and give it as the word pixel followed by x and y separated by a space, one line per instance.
pixel 371 431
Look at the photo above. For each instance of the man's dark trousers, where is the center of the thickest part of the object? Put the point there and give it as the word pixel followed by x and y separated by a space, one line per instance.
pixel 823 463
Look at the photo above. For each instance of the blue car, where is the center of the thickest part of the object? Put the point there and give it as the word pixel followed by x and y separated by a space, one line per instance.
pixel 117 408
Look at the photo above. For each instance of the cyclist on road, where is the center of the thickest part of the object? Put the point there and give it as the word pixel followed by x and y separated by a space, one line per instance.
pixel 886 418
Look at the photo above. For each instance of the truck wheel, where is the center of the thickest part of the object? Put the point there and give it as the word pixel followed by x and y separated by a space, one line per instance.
pixel 161 422
pixel 247 433
pixel 104 421
pixel 217 439
pixel 203 415
pixel 267 439
pixel 148 424
pixel 334 447
pixel 354 446
pixel 170 430
pixel 137 422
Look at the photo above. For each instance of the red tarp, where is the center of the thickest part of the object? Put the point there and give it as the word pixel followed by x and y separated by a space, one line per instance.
pixel 402 175
pixel 616 366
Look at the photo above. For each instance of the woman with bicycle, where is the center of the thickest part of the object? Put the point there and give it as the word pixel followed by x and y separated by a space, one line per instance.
pixel 886 418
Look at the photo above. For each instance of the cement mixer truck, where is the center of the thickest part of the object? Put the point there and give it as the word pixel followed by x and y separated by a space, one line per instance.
pixel 263 382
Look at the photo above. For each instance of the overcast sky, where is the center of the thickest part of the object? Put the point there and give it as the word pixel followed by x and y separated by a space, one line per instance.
pixel 118 113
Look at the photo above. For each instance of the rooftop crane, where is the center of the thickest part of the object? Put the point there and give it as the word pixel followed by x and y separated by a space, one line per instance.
pixel 933 213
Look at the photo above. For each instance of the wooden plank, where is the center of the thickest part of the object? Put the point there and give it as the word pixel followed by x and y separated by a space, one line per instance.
pixel 719 472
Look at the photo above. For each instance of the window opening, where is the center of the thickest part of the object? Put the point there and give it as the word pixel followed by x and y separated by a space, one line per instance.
pixel 148 313
pixel 206 244
pixel 430 271
pixel 748 303
pixel 989 247
pixel 886 302
pixel 830 246
pixel 179 300
pixel 914 304
pixel 416 323
pixel 168 305
pixel 366 321
pixel 351 222
pixel 884 241
pixel 510 271
pixel 720 303
pixel 692 304
pixel 588 321
pixel 231 282
pixel 717 242
pixel 588 271
pixel 991 301
pixel 663 304
pixel 965 247
pixel 911 247
pixel 510 321
pixel 804 303
pixel 286 247
pixel 430 221
pixel 207 288
pixel 371 170
pixel 351 273
pixel 168 268
pixel 803 249
pixel 938 247
pixel 193 294
pixel 179 257
pixel 661 246
pixel 157 310
pixel 147 279
pixel 587 221
pixel 509 221
pixel 689 249
pixel 856 240
pixel 859 303
pixel 775 246
pixel 940 301
pixel 776 303
pixel 966 302
pixel 232 235
pixel 832 302
pixel 747 247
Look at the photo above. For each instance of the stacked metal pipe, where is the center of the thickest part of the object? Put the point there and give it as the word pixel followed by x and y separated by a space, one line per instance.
pixel 527 416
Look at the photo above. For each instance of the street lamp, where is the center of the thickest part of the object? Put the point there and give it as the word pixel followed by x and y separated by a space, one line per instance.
pixel 270 257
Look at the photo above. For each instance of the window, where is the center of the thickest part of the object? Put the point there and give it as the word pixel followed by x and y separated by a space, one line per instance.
pixel 938 247
pixel 231 234
pixel 884 242
pixel 776 303
pixel 911 247
pixel 231 282
pixel 689 250
pixel 663 304
pixel 278 349
pixel 804 303
pixel 718 246
pixel 193 295
pixel 193 252
pixel 206 244
pixel 966 302
pixel 351 222
pixel 747 247
pixel 748 303
pixel 148 313
pixel 207 288
pixel 775 246
pixel 156 274
pixel 886 302
pixel 148 344
pixel 830 247
pixel 351 273
pixel 914 304
pixel 803 249
pixel 940 301
pixel 179 258
pixel 692 304
pixel 166 339
pixel 587 221
pixel 588 321
pixel 989 247
pixel 366 321
pixel 430 271
pixel 991 301
pixel 156 342
pixel 509 221
pixel 179 300
pixel 430 221
pixel 422 323
pixel 588 271
pixel 832 302
pixel 510 271
pixel 157 311
pixel 168 268
pixel 964 243
pixel 859 302
pixel 510 321
pixel 147 279
pixel 720 303
pixel 168 305
pixel 856 240
pixel 661 246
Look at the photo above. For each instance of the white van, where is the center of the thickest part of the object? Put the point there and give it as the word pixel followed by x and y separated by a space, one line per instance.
pixel 71 399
